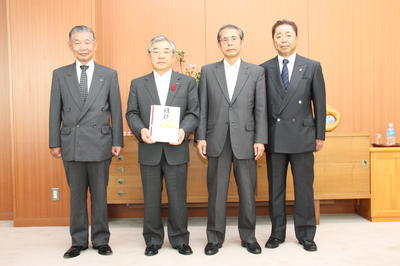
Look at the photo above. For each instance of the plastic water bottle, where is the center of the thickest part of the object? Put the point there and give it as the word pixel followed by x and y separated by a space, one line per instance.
pixel 390 134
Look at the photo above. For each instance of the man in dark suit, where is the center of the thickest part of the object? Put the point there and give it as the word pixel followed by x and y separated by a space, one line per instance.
pixel 157 159
pixel 232 130
pixel 296 123
pixel 86 130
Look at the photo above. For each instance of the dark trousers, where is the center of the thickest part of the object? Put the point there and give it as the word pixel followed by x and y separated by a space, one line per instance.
pixel 218 173
pixel 82 176
pixel 175 178
pixel 302 165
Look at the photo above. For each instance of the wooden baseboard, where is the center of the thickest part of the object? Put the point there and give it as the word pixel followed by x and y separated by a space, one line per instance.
pixel 195 210
pixel 6 215
pixel 385 219
pixel 51 221
pixel 200 209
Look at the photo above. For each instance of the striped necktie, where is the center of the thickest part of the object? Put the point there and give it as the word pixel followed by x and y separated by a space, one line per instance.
pixel 285 74
pixel 83 83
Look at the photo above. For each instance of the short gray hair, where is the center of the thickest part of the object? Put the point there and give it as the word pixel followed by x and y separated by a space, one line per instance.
pixel 81 28
pixel 230 26
pixel 160 38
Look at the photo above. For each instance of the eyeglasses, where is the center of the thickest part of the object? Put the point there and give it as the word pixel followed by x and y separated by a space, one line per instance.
pixel 232 39
pixel 157 51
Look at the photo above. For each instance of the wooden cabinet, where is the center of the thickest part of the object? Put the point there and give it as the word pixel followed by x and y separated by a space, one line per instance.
pixel 384 204
pixel 125 185
pixel 341 172
pixel 341 169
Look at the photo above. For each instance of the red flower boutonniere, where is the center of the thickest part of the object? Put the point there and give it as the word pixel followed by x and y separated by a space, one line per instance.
pixel 173 88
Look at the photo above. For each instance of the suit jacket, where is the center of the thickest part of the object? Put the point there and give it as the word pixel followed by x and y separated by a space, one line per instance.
pixel 143 94
pixel 85 131
pixel 296 118
pixel 245 115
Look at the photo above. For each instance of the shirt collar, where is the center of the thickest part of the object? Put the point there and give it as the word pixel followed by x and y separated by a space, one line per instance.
pixel 291 58
pixel 90 64
pixel 236 65
pixel 166 74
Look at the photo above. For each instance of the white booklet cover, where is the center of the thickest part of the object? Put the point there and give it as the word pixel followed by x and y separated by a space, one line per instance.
pixel 164 123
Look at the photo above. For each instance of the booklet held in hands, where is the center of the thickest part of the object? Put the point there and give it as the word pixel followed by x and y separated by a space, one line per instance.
pixel 164 123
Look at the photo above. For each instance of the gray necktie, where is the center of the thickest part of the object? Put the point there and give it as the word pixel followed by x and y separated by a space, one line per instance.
pixel 285 74
pixel 83 83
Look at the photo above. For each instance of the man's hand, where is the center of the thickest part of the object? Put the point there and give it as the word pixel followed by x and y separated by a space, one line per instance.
pixel 145 135
pixel 181 137
pixel 258 150
pixel 116 150
pixel 56 152
pixel 202 148
pixel 319 144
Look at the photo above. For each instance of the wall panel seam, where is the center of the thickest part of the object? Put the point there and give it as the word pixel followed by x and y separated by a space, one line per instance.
pixel 11 99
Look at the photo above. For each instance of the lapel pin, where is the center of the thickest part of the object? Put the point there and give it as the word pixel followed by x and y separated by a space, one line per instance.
pixel 300 69
pixel 173 87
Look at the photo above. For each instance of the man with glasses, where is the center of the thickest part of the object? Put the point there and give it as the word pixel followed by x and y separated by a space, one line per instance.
pixel 161 159
pixel 232 130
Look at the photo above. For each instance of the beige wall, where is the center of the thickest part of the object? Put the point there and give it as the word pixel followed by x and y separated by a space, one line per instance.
pixel 356 42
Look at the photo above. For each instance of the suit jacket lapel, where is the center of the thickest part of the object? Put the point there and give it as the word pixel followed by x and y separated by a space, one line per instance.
pixel 298 70
pixel 73 85
pixel 171 93
pixel 151 87
pixel 243 75
pixel 278 80
pixel 221 78
pixel 95 87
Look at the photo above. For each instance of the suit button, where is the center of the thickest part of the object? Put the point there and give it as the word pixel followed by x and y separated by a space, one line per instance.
pixel 300 101
pixel 294 119
pixel 278 119
pixel 77 125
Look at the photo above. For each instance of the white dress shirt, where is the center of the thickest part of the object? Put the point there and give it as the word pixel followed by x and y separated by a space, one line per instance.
pixel 89 72
pixel 231 74
pixel 162 84
pixel 290 65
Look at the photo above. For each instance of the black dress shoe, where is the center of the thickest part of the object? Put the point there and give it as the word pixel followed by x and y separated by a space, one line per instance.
pixel 252 247
pixel 273 242
pixel 212 249
pixel 184 249
pixel 74 251
pixel 104 250
pixel 152 250
pixel 308 245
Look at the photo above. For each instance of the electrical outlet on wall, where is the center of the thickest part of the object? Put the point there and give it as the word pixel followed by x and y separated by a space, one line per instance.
pixel 55 193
